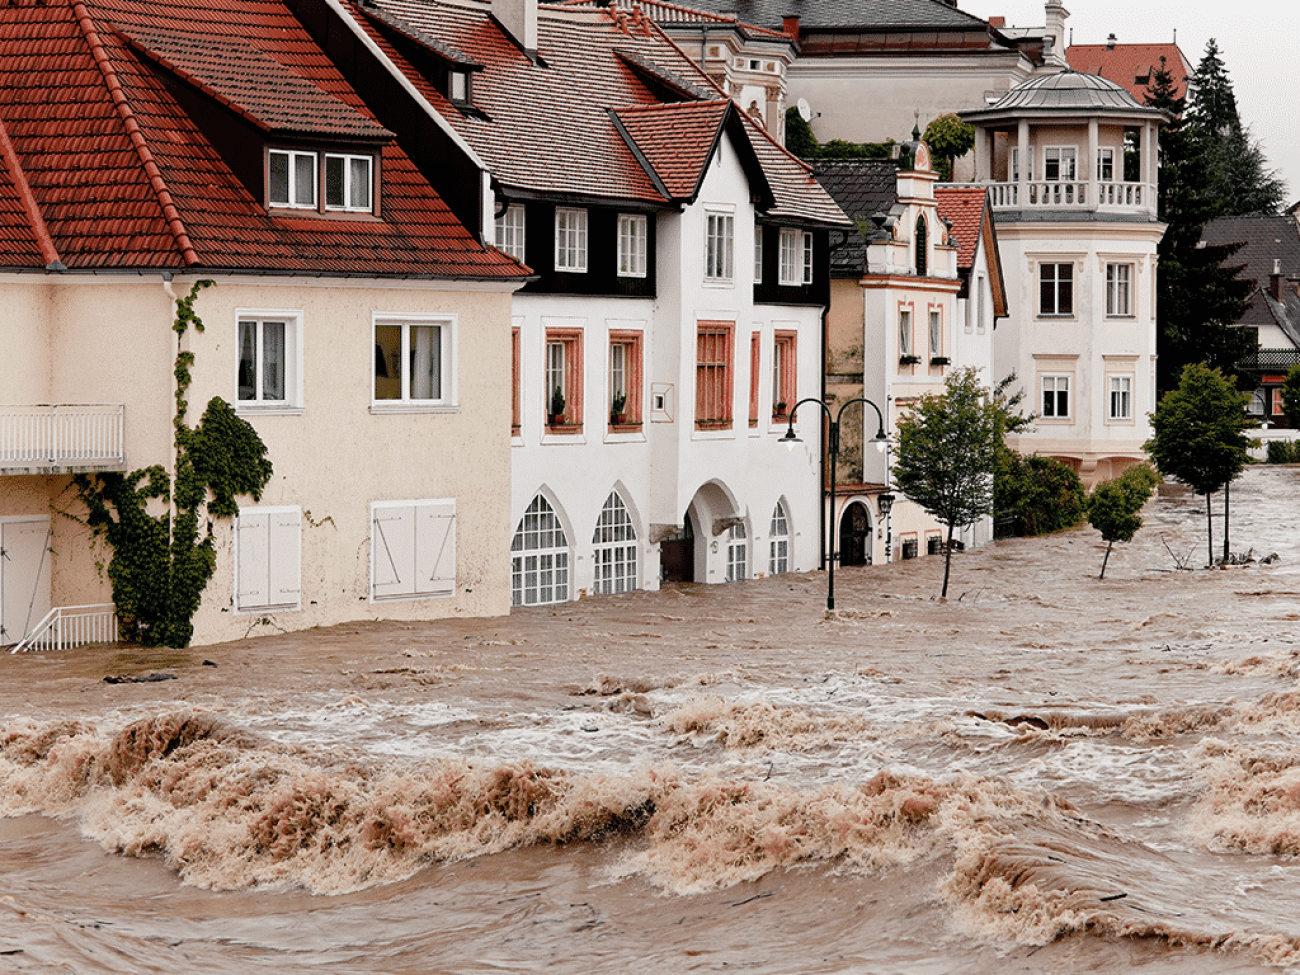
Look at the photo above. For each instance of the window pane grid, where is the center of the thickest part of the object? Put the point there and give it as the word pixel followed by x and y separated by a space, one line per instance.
pixel 713 375
pixel 570 240
pixel 410 364
pixel 616 551
pixel 1056 289
pixel 632 245
pixel 718 242
pixel 540 574
pixel 779 547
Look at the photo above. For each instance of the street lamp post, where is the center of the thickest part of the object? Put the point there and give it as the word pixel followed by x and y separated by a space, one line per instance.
pixel 833 447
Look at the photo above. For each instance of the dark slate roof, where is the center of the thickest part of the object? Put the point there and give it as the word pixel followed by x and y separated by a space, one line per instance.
pixel 861 187
pixel 1066 91
pixel 846 14
pixel 122 178
pixel 1264 240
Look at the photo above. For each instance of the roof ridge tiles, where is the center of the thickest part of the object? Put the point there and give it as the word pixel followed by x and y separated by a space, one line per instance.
pixel 40 232
pixel 156 182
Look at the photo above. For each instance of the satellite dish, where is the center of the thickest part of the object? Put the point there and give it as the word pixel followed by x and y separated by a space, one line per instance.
pixel 804 111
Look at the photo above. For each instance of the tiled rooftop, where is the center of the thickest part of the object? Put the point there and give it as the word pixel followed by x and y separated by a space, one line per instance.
pixel 1127 63
pixel 963 207
pixel 124 178
pixel 861 187
pixel 1264 240
pixel 868 14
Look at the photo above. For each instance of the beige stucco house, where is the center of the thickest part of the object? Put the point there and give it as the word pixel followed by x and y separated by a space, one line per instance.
pixel 352 320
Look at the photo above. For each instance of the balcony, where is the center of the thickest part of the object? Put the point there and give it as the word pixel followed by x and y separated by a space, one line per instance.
pixel 62 439
pixel 1101 196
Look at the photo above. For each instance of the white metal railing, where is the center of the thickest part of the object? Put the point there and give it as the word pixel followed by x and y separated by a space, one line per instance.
pixel 65 627
pixel 64 435
pixel 1059 194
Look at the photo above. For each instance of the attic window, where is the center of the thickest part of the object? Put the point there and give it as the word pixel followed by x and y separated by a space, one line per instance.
pixel 294 177
pixel 458 85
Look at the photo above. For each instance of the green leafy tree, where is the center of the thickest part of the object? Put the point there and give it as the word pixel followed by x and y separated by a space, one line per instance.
pixel 949 138
pixel 1291 395
pixel 1114 506
pixel 1199 435
pixel 1036 495
pixel 1199 296
pixel 947 446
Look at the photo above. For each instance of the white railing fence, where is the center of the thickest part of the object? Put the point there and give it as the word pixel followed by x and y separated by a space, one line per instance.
pixel 65 627
pixel 62 435
pixel 1054 194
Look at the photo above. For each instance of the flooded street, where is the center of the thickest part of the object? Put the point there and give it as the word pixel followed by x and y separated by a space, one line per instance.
pixel 1047 772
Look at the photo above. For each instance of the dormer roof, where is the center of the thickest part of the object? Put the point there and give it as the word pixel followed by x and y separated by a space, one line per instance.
pixel 121 176
pixel 1132 65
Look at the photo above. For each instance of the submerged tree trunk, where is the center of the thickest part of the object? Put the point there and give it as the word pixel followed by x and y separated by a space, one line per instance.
pixel 1227 490
pixel 1109 546
pixel 947 564
pixel 1209 529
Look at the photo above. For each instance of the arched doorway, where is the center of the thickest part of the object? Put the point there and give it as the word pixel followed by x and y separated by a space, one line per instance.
pixel 855 535
pixel 677 554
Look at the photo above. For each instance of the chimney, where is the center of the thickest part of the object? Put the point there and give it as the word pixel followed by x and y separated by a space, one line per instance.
pixel 1056 14
pixel 1275 281
pixel 519 18
pixel 1110 42
pixel 790 25
pixel 998 22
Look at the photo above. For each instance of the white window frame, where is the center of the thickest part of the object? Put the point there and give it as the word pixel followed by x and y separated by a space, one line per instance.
pixel 779 541
pixel 405 402
pixel 291 157
pixel 737 553
pixel 571 240
pixel 1066 161
pixel 719 247
pixel 458 86
pixel 547 566
pixel 758 253
pixel 796 257
pixel 1106 164
pixel 259 317
pixel 905 332
pixel 351 185
pixel 1119 290
pixel 512 227
pixel 936 333
pixel 1056 282
pixel 979 303
pixel 1119 393
pixel 268 559
pixel 614 549
pixel 1015 165
pixel 412 549
pixel 633 244
pixel 1059 383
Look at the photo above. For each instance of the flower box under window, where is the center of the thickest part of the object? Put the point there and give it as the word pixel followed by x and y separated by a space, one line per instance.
pixel 908 360
pixel 939 360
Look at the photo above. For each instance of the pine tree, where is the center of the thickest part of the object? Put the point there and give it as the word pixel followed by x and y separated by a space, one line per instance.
pixel 1199 295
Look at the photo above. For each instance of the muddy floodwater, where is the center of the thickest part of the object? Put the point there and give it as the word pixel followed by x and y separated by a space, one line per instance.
pixel 1045 773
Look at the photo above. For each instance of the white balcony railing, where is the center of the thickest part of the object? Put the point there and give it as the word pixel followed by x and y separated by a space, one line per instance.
pixel 1100 196
pixel 65 627
pixel 62 439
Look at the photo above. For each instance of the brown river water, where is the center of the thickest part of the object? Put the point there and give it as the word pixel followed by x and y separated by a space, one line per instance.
pixel 1045 773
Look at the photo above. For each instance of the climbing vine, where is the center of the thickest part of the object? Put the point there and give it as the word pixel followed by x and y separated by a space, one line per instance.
pixel 160 565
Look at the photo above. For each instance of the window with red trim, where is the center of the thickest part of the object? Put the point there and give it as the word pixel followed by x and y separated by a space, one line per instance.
pixel 624 378
pixel 755 351
pixel 714 359
pixel 564 380
pixel 785 385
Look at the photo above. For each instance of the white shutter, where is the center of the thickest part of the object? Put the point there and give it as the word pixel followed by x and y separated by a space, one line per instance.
pixel 252 559
pixel 285 568
pixel 435 547
pixel 392 550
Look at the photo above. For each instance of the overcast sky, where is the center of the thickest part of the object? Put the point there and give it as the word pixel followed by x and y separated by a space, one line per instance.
pixel 1259 42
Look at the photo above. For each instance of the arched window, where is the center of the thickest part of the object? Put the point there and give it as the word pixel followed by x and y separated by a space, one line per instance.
pixel 737 554
pixel 922 232
pixel 779 557
pixel 615 541
pixel 539 561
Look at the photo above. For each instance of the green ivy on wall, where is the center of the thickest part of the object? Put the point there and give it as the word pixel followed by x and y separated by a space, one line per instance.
pixel 160 565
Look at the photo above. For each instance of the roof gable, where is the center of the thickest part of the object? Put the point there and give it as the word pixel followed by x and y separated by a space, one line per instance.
pixel 678 141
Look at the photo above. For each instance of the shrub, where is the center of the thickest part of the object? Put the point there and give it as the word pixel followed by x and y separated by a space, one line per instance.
pixel 1035 495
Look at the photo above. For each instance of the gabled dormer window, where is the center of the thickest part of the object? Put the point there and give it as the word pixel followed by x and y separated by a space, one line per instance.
pixel 294 177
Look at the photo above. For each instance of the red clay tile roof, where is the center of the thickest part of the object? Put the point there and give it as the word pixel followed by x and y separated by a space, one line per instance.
pixel 1126 63
pixel 24 241
pixel 964 207
pixel 550 128
pixel 256 86
pixel 677 140
pixel 125 179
